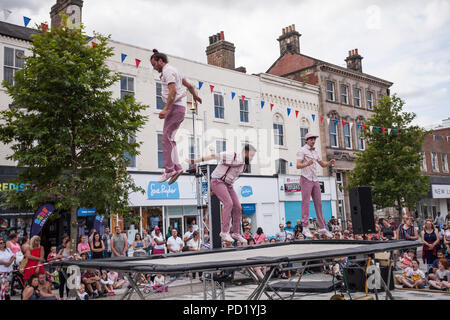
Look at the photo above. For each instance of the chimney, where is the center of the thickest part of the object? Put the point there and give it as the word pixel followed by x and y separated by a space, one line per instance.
pixel 71 8
pixel 354 61
pixel 220 53
pixel 289 40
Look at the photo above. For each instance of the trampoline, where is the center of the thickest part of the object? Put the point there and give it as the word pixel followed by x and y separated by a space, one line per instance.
pixel 273 256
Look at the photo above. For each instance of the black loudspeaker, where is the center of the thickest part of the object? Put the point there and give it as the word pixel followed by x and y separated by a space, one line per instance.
pixel 361 207
pixel 356 279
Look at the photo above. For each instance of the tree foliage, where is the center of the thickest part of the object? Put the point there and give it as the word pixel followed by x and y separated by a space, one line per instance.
pixel 391 163
pixel 67 130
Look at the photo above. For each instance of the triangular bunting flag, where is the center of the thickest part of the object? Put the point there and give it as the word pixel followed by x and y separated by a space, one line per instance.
pixel 384 130
pixel 321 119
pixel 26 21
pixel 328 121
pixel 6 14
pixel 138 62
pixel 357 126
pixel 243 99
pixel 44 27
pixel 94 45
pixel 123 57
pixel 389 131
pixel 396 131
pixel 296 113
pixel 200 85
pixel 371 128
pixel 314 117
pixel 336 122
pixel 211 87
pixel 343 123
pixel 233 94
pixel 271 107
pixel 378 129
pixel 364 127
pixel 437 137
pixel 262 104
pixel 289 111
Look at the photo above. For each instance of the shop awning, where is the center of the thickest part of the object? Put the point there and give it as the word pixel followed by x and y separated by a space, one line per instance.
pixel 249 209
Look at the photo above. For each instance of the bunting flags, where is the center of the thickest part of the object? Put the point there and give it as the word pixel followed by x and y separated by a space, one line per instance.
pixel 233 94
pixel 343 123
pixel 389 131
pixel 200 85
pixel 364 127
pixel 328 121
pixel 321 119
pixel 262 104
pixel 243 99
pixel 26 21
pixel 296 113
pixel 211 87
pixel 44 27
pixel 289 111
pixel 271 107
pixel 314 117
pixel 94 45
pixel 123 57
pixel 6 14
pixel 138 62
pixel 384 130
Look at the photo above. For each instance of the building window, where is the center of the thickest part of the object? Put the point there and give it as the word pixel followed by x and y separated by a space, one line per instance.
pixel 160 152
pixel 243 107
pixel 330 91
pixel 369 100
pixel 344 94
pixel 159 101
pixel 280 166
pixel 12 62
pixel 303 133
pixel 248 168
pixel 334 134
pixel 339 182
pixel 278 134
pixel 347 136
pixel 423 165
pixel 193 149
pixel 434 162
pixel 444 162
pixel 126 86
pixel 360 138
pixel 221 146
pixel 357 97
pixel 219 110
pixel 131 159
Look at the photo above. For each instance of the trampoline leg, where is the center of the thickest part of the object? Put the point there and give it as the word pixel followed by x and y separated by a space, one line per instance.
pixel 256 295
pixel 134 287
pixel 391 259
pixel 299 279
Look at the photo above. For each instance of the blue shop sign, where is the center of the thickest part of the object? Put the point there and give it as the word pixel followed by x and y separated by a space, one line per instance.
pixel 246 191
pixel 249 209
pixel 86 212
pixel 161 191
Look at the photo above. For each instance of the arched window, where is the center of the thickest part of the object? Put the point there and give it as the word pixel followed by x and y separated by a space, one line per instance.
pixel 281 166
pixel 278 128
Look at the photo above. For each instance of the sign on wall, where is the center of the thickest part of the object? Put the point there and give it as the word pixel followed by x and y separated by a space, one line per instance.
pixel 161 191
pixel 440 191
pixel 246 191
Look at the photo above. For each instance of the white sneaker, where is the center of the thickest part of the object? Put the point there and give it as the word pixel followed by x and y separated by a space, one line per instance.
pixel 326 232
pixel 226 237
pixel 307 233
pixel 239 238
pixel 175 177
pixel 166 176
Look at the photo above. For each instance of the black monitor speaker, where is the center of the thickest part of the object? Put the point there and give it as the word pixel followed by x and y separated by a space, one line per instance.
pixel 361 207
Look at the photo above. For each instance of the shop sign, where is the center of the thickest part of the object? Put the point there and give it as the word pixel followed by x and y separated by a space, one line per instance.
pixel 7 186
pixel 86 212
pixel 292 185
pixel 440 191
pixel 249 209
pixel 246 191
pixel 161 191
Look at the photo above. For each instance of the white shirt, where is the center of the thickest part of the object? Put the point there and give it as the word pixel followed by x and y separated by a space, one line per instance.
pixel 188 235
pixel 5 256
pixel 160 239
pixel 175 244
pixel 171 75
pixel 197 245
pixel 195 227
pixel 159 281
pixel 415 275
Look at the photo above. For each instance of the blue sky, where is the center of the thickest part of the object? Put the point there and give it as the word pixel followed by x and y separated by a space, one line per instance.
pixel 403 41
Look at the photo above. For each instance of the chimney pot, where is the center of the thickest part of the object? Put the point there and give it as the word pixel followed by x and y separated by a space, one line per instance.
pixel 222 35
pixel 293 26
pixel 356 51
pixel 290 28
pixel 350 53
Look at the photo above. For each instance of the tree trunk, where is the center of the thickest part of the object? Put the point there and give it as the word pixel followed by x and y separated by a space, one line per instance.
pixel 400 208
pixel 73 229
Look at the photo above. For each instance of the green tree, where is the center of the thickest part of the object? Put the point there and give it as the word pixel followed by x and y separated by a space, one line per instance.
pixel 67 131
pixel 391 163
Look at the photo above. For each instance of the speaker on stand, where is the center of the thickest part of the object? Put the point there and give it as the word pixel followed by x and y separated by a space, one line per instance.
pixel 361 207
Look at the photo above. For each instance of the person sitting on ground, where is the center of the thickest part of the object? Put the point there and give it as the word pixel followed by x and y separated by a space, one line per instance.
pixel 45 287
pixel 32 292
pixel 91 280
pixel 81 293
pixel 407 259
pixel 159 284
pixel 107 284
pixel 413 277
pixel 337 236
pixel 442 276
pixel 434 266
pixel 114 277
pixel 259 236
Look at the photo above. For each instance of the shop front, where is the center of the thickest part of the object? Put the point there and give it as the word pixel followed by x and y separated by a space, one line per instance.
pixel 291 198
pixel 437 200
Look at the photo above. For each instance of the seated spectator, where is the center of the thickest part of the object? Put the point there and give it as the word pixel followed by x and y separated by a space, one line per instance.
pixel 138 246
pixel 114 277
pixel 81 293
pixel 174 243
pixel 32 292
pixel 91 280
pixel 45 287
pixel 259 237
pixel 312 226
pixel 434 266
pixel 407 259
pixel 442 276
pixel 159 284
pixel 107 284
pixel 359 237
pixel 413 277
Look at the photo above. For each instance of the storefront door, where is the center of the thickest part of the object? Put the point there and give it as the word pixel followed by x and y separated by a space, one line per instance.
pixel 177 223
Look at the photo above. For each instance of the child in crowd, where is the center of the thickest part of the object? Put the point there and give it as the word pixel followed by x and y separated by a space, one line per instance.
pixel 159 284
pixel 107 284
pixel 413 277
pixel 81 293
pixel 442 277
pixel 406 261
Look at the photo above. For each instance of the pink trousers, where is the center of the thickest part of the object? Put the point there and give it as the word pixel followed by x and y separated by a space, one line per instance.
pixel 172 123
pixel 226 194
pixel 310 188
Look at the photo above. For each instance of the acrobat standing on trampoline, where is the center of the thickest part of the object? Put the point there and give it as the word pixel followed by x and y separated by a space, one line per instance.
pixel 307 159
pixel 231 165
pixel 174 96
